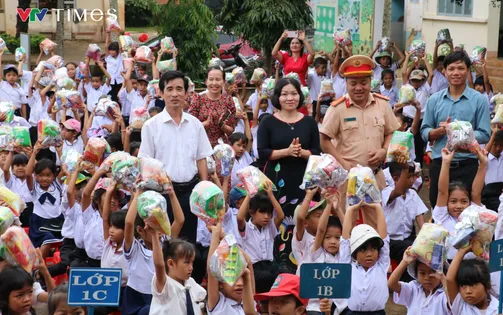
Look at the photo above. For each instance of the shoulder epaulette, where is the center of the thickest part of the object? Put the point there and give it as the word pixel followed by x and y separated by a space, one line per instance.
pixel 381 96
pixel 338 101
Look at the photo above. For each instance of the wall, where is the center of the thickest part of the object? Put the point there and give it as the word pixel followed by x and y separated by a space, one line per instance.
pixel 413 21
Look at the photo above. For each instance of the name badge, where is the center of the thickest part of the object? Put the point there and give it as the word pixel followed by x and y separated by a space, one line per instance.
pixel 349 119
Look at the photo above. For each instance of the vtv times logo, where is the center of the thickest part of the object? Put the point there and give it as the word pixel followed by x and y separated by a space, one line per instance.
pixel 96 15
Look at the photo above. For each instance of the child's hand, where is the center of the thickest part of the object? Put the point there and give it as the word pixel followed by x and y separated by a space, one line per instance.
pixel 268 187
pixel 438 275
pixel 466 249
pixel 407 54
pixel 110 189
pixel 59 150
pixel 481 155
pixel 494 127
pixel 408 257
pixel 325 305
pixel 447 155
pixel 379 43
pixel 311 192
pixel 217 229
pixel 99 62
pixel 37 147
pixel 374 206
pixel 355 207
pixel 40 260
pixel 3 117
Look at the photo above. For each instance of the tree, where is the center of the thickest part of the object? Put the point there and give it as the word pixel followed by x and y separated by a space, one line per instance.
pixel 386 25
pixel 263 21
pixel 114 5
pixel 22 27
pixel 192 26
pixel 60 30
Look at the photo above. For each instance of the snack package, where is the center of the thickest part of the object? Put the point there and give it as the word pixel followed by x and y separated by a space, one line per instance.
pixel 47 45
pixel 105 106
pixel 253 180
pixel 93 51
pixel 215 62
pixel 126 42
pixel 323 171
pixel 70 158
pixel 239 75
pixel 81 70
pixel 49 133
pixel 152 208
pixel 143 54
pixel 57 62
pixel 138 117
pixel 110 160
pixel 400 146
pixel 7 108
pixel 20 51
pixel 307 95
pixel 125 171
pixel 375 86
pixel 11 200
pixel 229 78
pixel 21 136
pixel 476 224
pixel 326 89
pixel 167 44
pixel 429 246
pixel 444 36
pixel 460 136
pixel 207 202
pixel 153 176
pixel 406 94
pixel 385 45
pixel 259 75
pixel 19 247
pixel 112 25
pixel 166 65
pixel 211 164
pixel 224 156
pixel 153 88
pixel 95 149
pixel 343 37
pixel 497 99
pixel 417 48
pixel 5 138
pixel 68 99
pixel 6 219
pixel 294 75
pixel 227 263
pixel 498 117
pixel 362 185
pixel 478 54
pixel 268 87
pixel 443 50
pixel 65 83
pixel 127 63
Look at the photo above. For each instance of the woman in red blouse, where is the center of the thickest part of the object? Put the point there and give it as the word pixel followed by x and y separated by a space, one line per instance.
pixel 295 60
pixel 216 111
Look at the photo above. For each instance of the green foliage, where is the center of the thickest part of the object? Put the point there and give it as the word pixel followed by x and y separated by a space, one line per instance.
pixel 367 10
pixel 137 13
pixel 12 42
pixel 191 25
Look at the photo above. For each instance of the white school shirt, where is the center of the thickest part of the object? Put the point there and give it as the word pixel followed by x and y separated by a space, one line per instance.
pixel 439 82
pixel 460 307
pixel 113 258
pixel 14 94
pixel 114 68
pixel 79 228
pixel 226 306
pixel 20 187
pixel 302 249
pixel 259 244
pixel 2 178
pixel 47 210
pixel 401 213
pixel 77 145
pixel 413 297
pixel 252 102
pixel 243 162
pixel 229 225
pixel 93 95
pixel 173 297
pixel 36 107
pixel 369 289
pixel 422 96
pixel 141 267
pixel 494 173
pixel 378 70
pixel 125 105
pixel 187 144
pixel 25 80
pixel 442 217
pixel 314 83
pixel 67 230
pixel 93 233
pixel 392 94
pixel 136 100
pixel 99 121
pixel 339 85
pixel 391 183
pixel 254 131
pixel 203 236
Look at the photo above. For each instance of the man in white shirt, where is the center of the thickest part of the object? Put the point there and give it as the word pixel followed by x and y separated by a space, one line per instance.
pixel 178 140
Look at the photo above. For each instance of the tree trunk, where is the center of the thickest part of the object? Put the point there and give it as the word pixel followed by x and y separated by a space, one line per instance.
pixel 114 5
pixel 60 30
pixel 386 25
pixel 22 27
pixel 268 60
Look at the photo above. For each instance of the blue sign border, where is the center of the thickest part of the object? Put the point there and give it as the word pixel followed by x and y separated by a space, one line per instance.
pixel 115 270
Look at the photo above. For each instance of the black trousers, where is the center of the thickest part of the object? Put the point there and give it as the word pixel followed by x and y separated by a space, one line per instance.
pixel 463 171
pixel 200 263
pixel 315 103
pixel 419 146
pixel 396 251
pixel 114 91
pixel 66 253
pixel 24 217
pixel 183 191
pixel 382 312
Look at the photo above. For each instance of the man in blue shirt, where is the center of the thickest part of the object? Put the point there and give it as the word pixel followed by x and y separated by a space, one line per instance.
pixel 457 102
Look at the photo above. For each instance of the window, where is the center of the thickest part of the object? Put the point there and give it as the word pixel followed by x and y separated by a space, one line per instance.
pixel 51 4
pixel 2 6
pixel 455 7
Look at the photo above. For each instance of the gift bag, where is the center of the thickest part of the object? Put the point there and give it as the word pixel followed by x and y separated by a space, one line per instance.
pixel 362 185
pixel 2 44
pixel 112 24
pixel 224 156
pixel 127 63
pixel 207 202
pixel 460 136
pixel 7 108
pixel 110 160
pixel 152 209
pixel 49 133
pixel 229 78
pixel 57 62
pixel 307 95
pixel 70 158
pixel 153 176
pixel 215 62
pixel 153 88
pixel 478 54
pixel 11 200
pixel 166 65
pixel 253 180
pixel 68 99
pixel 475 224
pixel 20 51
pixel 81 70
pixel 259 75
pixel 93 51
pixel 498 117
pixel 497 99
pixel 47 45
pixel 227 263
pixel 126 42
pixel 139 116
pixel 95 149
pixel 125 171
pixel 167 44
pixel 343 37
pixel 65 83
pixel 19 247
pixel 323 171
pixel 444 36
pixel 106 106
pixel 143 54
pixel 400 146
pixel 326 89
pixel 21 136
pixel 417 48
pixel 210 162
pixel 385 45
pixel 5 138
pixel 268 87
pixel 429 246
pixel 406 94
pixel 239 75
pixel 6 219
pixel 295 76
pixel 443 50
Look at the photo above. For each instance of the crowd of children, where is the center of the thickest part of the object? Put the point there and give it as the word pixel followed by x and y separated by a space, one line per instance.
pixel 80 212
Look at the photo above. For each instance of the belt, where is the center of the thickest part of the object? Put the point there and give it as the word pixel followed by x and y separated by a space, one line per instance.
pixel 381 312
pixel 457 164
pixel 188 184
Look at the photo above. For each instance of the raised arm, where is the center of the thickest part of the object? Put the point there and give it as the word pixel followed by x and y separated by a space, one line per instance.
pixel 452 289
pixel 302 214
pixel 107 42
pixel 213 284
pixel 443 181
pixel 71 191
pixel 322 227
pixel 429 69
pixel 478 182
pixel 106 208
pixel 435 56
pixel 401 185
pixel 310 57
pixel 105 72
pixel 31 165
pixel 88 190
pixel 7 165
pixel 178 216
pixel 381 221
pixel 349 221
pixel 394 280
pixel 335 64
pixel 241 216
pixel 379 43
pixel 129 226
pixel 405 65
pixel 400 54
pixel 414 129
pixel 280 215
pixel 160 268
pixel 487 84
pixel 275 51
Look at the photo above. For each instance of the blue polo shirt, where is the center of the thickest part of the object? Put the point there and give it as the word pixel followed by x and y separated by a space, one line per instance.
pixel 471 106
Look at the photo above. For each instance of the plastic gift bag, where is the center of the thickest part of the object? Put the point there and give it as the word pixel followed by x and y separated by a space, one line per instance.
pixel 215 62
pixel 105 106
pixel 497 99
pixel 476 224
pixel 19 247
pixel 224 156
pixel 227 263
pixel 362 185
pixel 127 63
pixel 68 99
pixel 167 44
pixel 113 25
pixel 152 208
pixel 259 75
pixel 460 136
pixel 49 133
pixel 444 36
pixel 20 51
pixel 153 88
pixel 478 54
pixel 323 171
pixel 94 152
pixel 239 75
pixel 143 54
pixel 93 51
pixel 307 95
pixel 326 89
pixel 400 147
pixel 47 45
pixel 5 138
pixel 125 171
pixel 443 50
pixel 417 48
pixel 138 117
pixel 2 44
pixel 81 70
pixel 153 176
pixel 343 37
pixel 110 160
pixel 70 158
pixel 498 117
pixel 406 94
pixel 166 65
pixel 207 202
pixel 21 136
pixel 56 61
pixel 6 219
pixel 429 246
pixel 253 180
pixel 295 76
pixel 126 42
pixel 385 45
pixel 210 162
pixel 229 78
pixel 65 83
pixel 7 108
pixel 11 200
pixel 268 87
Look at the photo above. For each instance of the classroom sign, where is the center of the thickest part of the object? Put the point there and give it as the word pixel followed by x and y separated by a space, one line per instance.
pixel 496 264
pixel 318 281
pixel 94 287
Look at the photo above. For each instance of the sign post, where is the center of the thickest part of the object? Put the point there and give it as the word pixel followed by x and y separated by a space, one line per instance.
pixel 24 41
pixel 496 264
pixel 319 281
pixel 94 287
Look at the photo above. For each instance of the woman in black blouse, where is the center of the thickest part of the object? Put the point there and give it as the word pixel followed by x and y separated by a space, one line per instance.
pixel 286 140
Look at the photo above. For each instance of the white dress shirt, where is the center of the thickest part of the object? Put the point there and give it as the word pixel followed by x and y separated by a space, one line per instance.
pixel 79 228
pixel 173 297
pixel 47 210
pixel 413 297
pixel 14 94
pixel 178 146
pixel 494 172
pixel 243 162
pixel 339 85
pixel 259 244
pixel 226 306
pixel 439 82
pixel 252 102
pixel 462 308
pixel 114 68
pixel 141 267
pixel 302 249
pixel 314 83
pixel 93 95
pixel 114 258
pixel 93 233
pixel 20 187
